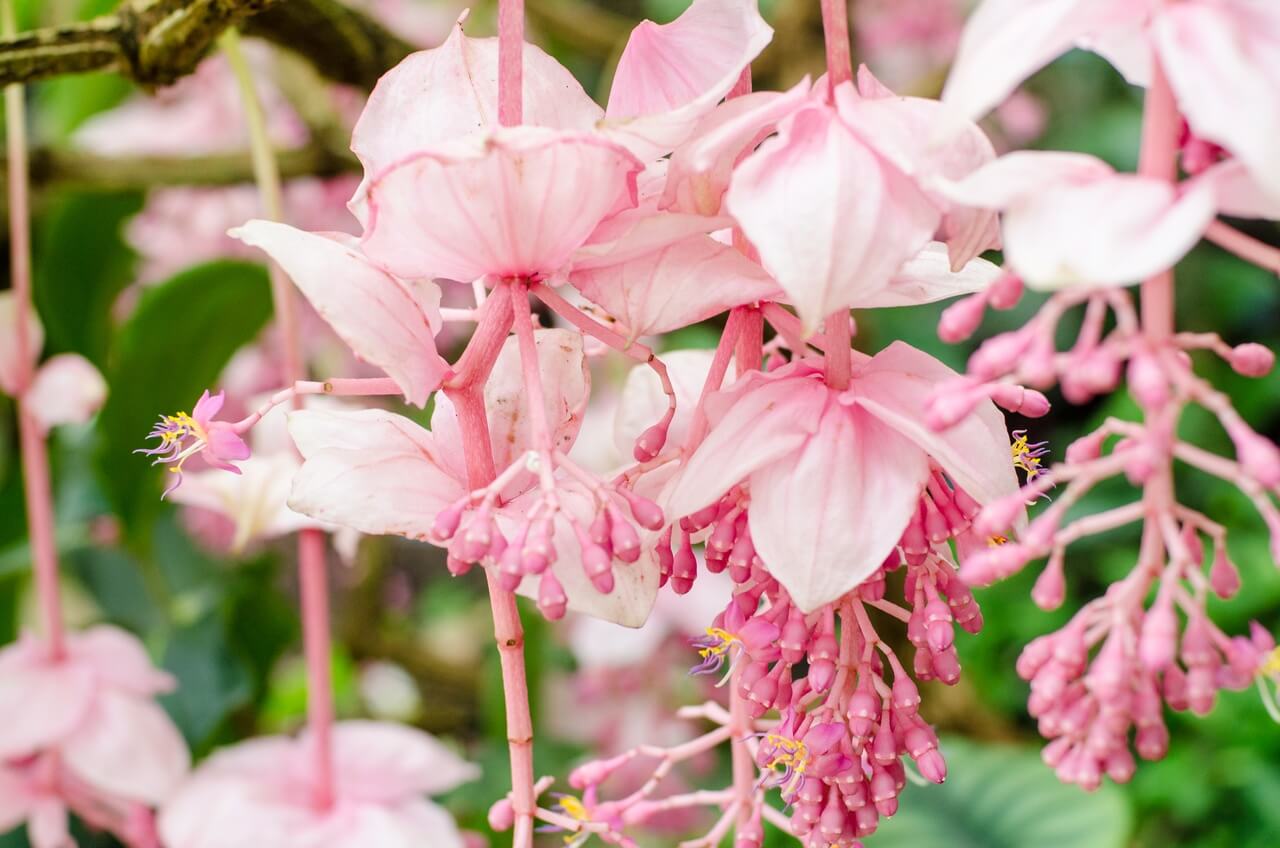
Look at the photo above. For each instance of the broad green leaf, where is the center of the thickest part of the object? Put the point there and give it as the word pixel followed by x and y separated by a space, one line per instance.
pixel 212 679
pixel 999 796
pixel 173 347
pixel 63 104
pixel 81 267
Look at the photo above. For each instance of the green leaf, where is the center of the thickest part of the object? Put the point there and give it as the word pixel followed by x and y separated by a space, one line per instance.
pixel 999 796
pixel 212 680
pixel 63 104
pixel 82 265
pixel 173 347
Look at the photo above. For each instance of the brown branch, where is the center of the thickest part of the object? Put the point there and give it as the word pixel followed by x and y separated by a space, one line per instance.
pixel 155 42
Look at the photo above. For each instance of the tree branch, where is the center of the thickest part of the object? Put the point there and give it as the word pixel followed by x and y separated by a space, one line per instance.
pixel 154 42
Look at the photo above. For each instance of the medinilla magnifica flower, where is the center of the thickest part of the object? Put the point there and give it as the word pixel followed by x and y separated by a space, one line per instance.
pixel 829 481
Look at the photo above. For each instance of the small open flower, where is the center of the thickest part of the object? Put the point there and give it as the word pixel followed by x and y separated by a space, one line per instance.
pixel 1027 455
pixel 183 435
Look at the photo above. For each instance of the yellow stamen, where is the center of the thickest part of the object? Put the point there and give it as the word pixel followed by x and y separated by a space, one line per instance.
pixel 997 540
pixel 1271 667
pixel 725 640
pixel 1023 459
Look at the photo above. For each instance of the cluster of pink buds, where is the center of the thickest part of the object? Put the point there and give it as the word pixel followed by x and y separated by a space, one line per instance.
pixel 471 531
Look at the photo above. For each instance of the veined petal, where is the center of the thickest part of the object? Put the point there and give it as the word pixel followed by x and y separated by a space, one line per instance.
pixel 832 220
pixel 1223 62
pixel 761 427
pixel 701 168
pixel 438 96
pixel 678 285
pixel 825 520
pixel 517 205
pixel 1113 231
pixel 384 762
pixel 670 75
pixel 372 470
pixel 128 747
pixel 895 386
pixel 566 385
pixel 373 312
pixel 927 277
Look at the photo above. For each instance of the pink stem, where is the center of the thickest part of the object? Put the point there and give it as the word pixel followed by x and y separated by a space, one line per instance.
pixel 35 458
pixel 1160 128
pixel 838 357
pixel 523 321
pixel 1245 246
pixel 835 31
pixel 715 377
pixel 467 393
pixel 313 578
pixel 510 62
pixel 337 387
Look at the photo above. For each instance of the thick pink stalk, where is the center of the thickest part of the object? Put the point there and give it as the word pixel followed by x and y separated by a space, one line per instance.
pixel 466 391
pixel 510 62
pixel 838 356
pixel 522 318
pixel 835 31
pixel 1161 126
pixel 312 575
pixel 1245 246
pixel 35 458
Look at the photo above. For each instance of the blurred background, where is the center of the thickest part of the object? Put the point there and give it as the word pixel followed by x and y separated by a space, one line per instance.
pixel 133 194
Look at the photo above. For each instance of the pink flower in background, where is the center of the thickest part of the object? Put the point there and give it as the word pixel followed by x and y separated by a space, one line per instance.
pixel 263 792
pixel 66 389
pixel 94 709
pixel 13 361
pixel 907 41
pixel 834 479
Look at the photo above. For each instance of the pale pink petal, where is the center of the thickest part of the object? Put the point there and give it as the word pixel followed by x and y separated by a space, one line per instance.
pixel 1113 231
pixel 670 75
pixel 1223 61
pixel 1006 41
pixel 765 425
pixel 438 96
pixel 1020 175
pixel 400 826
pixel 372 470
pixel 681 284
pixel 213 811
pixel 700 169
pixel 926 141
pixel 384 762
pixel 255 500
pixel 635 233
pixel 119 659
pixel 40 702
pixel 831 219
pixel 643 401
pixel 516 204
pixel 374 313
pixel 927 277
pixel 1238 194
pixel 566 385
pixel 895 386
pixel 827 518
pixel 11 358
pixel 208 406
pixel 67 390
pixel 128 747
pixel 431 824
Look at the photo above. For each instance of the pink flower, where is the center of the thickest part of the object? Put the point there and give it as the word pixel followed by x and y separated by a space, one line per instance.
pixel 262 792
pixel 381 473
pixel 93 707
pixel 66 390
pixel 835 479
pixel 183 436
pixel 1222 58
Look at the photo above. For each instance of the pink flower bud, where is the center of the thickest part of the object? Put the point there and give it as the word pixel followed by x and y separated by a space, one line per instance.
pixel 456 566
pixel 1086 448
pixel 999 515
pixel 1157 643
pixel 946 666
pixel 906 698
pixel 1005 292
pixel 933 767
pixel 1152 742
pixel 988 565
pixel 1051 587
pixel 1252 360
pixel 950 404
pixel 1147 381
pixel 623 537
pixel 650 442
pixel 960 320
pixel 552 600
pixel 502 816
pixel 1037 366
pixel 1259 458
pixel 999 355
pixel 1224 577
pixel 1020 400
pixel 447 520
pixel 646 513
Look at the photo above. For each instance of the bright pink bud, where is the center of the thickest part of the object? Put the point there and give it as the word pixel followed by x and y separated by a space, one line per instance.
pixel 795 635
pixel 447 520
pixel 1147 381
pixel 1037 366
pixel 1005 292
pixel 623 537
pixel 906 698
pixel 598 566
pixel 1051 586
pixel 937 622
pixel 831 823
pixel 456 566
pixel 999 515
pixel 960 320
pixel 932 765
pixel 477 536
pixel 1252 360
pixel 1158 641
pixel 646 513
pixel 822 673
pixel 999 355
pixel 502 816
pixel 1087 447
pixel 599 531
pixel 1020 400
pixel 1224 577
pixel 749 835
pixel 946 666
pixel 950 405
pixel 1152 741
pixel 684 568
pixel 986 566
pixel 884 792
pixel 1257 456
pixel 552 600
pixel 651 442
